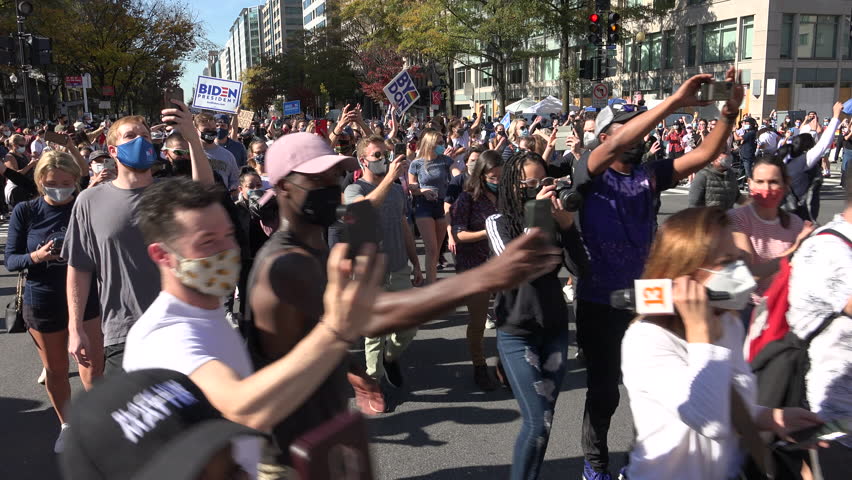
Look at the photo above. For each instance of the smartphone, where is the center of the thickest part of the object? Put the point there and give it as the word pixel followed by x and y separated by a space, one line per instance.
pixel 360 226
pixel 562 136
pixel 537 214
pixel 172 93
pixel 336 450
pixel 398 149
pixel 57 138
pixel 56 248
pixel 715 91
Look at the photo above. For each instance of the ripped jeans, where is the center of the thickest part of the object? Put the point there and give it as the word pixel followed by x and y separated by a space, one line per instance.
pixel 535 367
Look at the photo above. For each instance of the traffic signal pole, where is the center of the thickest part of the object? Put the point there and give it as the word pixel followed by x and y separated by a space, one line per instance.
pixel 25 68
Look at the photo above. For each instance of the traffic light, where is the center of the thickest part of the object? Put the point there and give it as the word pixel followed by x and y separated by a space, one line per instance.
pixel 8 50
pixel 24 9
pixel 613 29
pixel 595 29
pixel 599 67
pixel 41 51
pixel 586 69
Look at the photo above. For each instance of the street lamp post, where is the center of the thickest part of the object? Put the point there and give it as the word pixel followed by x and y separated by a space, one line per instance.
pixel 637 56
pixel 22 11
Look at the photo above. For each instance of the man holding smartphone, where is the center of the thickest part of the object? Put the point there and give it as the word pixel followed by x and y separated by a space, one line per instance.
pixel 380 187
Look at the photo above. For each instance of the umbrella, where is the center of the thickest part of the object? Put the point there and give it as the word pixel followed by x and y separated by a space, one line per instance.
pixel 520 105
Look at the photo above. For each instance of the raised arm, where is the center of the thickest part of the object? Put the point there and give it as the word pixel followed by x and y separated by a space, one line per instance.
pixel 202 172
pixel 815 154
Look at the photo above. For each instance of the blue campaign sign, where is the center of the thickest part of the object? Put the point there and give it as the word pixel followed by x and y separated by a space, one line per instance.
pixel 293 108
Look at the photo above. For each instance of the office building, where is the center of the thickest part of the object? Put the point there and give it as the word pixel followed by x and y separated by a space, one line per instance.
pixel 243 48
pixel 280 21
pixel 314 13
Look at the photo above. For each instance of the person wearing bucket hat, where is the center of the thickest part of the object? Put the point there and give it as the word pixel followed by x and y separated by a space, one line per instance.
pixel 288 283
pixel 151 424
pixel 618 222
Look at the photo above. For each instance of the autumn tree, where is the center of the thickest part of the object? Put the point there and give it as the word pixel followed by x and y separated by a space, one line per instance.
pixel 258 91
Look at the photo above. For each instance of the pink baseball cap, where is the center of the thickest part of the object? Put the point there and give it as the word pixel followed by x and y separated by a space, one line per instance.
pixel 302 153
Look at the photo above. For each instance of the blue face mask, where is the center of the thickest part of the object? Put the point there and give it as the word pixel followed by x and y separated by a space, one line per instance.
pixel 525 132
pixel 137 153
pixel 492 186
pixel 440 149
pixel 221 133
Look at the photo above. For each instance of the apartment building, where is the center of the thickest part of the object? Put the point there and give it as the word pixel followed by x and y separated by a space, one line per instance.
pixel 314 13
pixel 280 20
pixel 243 48
pixel 793 55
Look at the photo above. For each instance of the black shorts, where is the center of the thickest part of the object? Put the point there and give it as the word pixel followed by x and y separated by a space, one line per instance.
pixel 427 208
pixel 54 318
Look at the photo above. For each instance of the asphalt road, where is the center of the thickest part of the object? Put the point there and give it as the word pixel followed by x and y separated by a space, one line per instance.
pixel 440 426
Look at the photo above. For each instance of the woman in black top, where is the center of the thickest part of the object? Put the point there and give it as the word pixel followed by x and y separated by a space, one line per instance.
pixel 532 320
pixel 36 233
pixel 18 161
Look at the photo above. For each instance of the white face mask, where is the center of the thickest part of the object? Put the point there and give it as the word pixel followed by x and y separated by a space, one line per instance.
pixel 588 138
pixel 97 168
pixel 735 279
pixel 58 195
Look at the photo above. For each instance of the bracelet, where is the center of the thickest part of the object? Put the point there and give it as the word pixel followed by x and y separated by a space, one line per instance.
pixel 336 333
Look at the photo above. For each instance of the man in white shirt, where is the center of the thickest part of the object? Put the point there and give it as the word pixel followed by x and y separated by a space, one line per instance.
pixel 191 240
pixel 37 145
pixel 821 287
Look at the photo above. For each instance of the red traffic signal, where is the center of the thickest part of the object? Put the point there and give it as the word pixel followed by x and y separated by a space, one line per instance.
pixel 594 18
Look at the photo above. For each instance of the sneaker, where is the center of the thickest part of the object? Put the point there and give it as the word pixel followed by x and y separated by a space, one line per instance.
pixel 622 474
pixel 483 379
pixel 568 292
pixel 490 323
pixel 393 374
pixel 43 377
pixel 589 473
pixel 60 440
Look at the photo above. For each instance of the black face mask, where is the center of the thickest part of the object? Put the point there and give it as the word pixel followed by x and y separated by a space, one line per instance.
pixel 182 167
pixel 634 155
pixel 208 136
pixel 259 158
pixel 320 206
pixel 531 192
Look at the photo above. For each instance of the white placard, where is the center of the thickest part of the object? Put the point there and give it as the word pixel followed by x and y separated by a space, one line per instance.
pixel 401 92
pixel 217 94
pixel 654 297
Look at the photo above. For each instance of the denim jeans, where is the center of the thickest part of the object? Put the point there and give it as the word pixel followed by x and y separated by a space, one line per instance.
pixel 847 156
pixel 535 367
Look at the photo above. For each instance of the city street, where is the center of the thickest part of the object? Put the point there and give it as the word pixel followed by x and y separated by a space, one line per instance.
pixel 440 426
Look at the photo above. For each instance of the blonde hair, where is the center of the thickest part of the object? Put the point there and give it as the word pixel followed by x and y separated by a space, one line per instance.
pixel 513 133
pixel 12 141
pixel 428 142
pixel 56 160
pixel 112 136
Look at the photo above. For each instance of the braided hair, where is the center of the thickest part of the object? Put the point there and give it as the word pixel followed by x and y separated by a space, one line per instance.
pixel 511 196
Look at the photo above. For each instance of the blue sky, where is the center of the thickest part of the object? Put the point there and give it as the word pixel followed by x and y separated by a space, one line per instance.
pixel 217 21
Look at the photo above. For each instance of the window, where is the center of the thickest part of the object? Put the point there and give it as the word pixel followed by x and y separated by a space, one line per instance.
pixel 720 41
pixel 669 50
pixel 691 46
pixel 651 52
pixel 628 61
pixel 817 36
pixel 461 78
pixel 292 11
pixel 847 50
pixel 747 38
pixel 549 69
pixel 516 73
pixel 485 79
pixel 787 36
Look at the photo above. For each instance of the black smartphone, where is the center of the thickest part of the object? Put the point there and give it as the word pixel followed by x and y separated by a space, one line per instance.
pixel 537 214
pixel 360 226
pixel 57 138
pixel 172 93
pixel 398 149
pixel 56 248
pixel 715 91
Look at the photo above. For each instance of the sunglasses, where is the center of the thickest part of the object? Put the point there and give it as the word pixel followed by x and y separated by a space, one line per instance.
pixel 535 182
pixel 378 155
pixel 177 151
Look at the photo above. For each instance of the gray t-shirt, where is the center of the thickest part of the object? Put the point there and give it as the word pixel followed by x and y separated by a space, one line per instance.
pixel 391 214
pixel 433 175
pixel 222 161
pixel 103 238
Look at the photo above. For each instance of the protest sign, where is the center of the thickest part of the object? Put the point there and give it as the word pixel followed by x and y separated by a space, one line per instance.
pixel 217 94
pixel 293 108
pixel 244 119
pixel 401 92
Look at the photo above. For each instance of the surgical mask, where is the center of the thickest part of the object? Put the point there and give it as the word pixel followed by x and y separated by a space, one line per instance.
pixel 215 275
pixel 221 133
pixel 320 205
pixel 255 194
pixel 97 168
pixel 588 138
pixel 20 149
pixel 825 123
pixel 525 132
pixel 58 195
pixel 736 280
pixel 208 135
pixel 767 198
pixel 378 167
pixel 492 186
pixel 470 167
pixel 440 149
pixel 137 153
pixel 747 126
pixel 727 162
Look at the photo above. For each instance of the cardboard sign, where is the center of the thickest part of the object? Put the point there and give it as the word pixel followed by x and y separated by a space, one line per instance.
pixel 401 92
pixel 654 297
pixel 217 94
pixel 244 119
pixel 293 108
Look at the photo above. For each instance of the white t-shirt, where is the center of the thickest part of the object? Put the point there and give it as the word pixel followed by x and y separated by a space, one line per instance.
pixel 174 335
pixel 463 141
pixel 37 147
pixel 680 399
pixel 821 285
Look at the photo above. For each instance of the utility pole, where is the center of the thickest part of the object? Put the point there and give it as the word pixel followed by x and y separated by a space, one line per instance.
pixel 22 11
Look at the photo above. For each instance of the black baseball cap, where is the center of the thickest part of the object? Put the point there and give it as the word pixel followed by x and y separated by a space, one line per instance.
pixel 609 116
pixel 145 425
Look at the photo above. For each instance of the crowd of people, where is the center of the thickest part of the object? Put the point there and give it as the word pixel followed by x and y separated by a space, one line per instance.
pixel 203 270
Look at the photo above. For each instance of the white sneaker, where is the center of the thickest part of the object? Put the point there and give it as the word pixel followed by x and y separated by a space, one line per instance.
pixel 568 292
pixel 60 440
pixel 43 377
pixel 490 324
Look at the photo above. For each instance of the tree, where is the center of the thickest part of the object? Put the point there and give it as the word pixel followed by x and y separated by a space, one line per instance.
pixel 379 66
pixel 258 91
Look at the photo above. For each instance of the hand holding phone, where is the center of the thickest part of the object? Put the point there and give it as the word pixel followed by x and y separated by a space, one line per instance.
pixel 537 214
pixel 360 226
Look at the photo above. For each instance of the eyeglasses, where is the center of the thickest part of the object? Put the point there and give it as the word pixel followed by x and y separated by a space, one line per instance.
pixel 177 151
pixel 535 182
pixel 379 155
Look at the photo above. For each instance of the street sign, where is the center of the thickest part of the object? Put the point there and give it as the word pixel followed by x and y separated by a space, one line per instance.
pixel 436 97
pixel 293 108
pixel 104 105
pixel 217 94
pixel 87 80
pixel 600 95
pixel 468 90
pixel 108 91
pixel 74 81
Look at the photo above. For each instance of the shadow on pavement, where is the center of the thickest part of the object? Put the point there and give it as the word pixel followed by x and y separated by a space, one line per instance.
pixel 26 451
pixel 562 468
pixel 412 423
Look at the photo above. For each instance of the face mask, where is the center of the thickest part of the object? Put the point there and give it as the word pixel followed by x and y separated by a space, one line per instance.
pixel 525 132
pixel 747 126
pixel 58 195
pixel 492 186
pixel 825 124
pixel 137 153
pixel 440 149
pixel 734 279
pixel 588 138
pixel 470 167
pixel 659 125
pixel 208 135
pixel 767 198
pixel 21 149
pixel 634 155
pixel 182 167
pixel 531 192
pixel 221 133
pixel 378 167
pixel 320 206
pixel 97 168
pixel 727 162
pixel 256 194
pixel 216 275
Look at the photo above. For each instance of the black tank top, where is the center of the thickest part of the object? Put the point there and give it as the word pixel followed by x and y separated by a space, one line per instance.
pixel 331 396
